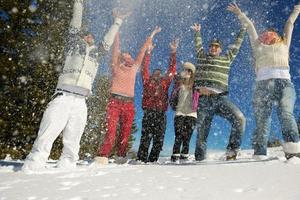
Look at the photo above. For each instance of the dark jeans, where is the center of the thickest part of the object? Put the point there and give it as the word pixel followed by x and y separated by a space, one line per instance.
pixel 268 93
pixel 153 128
pixel 184 127
pixel 208 107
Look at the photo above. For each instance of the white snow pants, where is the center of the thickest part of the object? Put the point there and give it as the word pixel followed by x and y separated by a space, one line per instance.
pixel 67 113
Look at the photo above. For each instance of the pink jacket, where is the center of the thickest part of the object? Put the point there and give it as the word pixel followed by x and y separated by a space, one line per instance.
pixel 123 78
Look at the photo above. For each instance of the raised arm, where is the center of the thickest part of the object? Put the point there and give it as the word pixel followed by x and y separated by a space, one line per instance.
pixel 112 36
pixel 76 20
pixel 234 49
pixel 246 22
pixel 198 40
pixel 289 25
pixel 115 51
pixel 148 42
pixel 172 63
pixel 146 64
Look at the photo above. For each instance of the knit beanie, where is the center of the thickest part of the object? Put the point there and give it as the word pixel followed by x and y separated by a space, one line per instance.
pixel 188 65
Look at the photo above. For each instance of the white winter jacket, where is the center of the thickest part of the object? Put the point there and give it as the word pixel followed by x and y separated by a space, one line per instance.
pixel 82 60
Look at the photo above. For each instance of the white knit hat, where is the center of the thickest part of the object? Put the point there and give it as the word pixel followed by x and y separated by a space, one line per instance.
pixel 188 65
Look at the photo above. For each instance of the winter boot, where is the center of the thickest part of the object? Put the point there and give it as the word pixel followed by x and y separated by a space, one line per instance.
pixel 231 155
pixel 175 157
pixel 32 166
pixel 291 155
pixel 184 157
pixel 291 149
pixel 66 163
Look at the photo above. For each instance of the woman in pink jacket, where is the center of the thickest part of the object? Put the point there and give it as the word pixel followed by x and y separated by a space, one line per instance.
pixel 120 108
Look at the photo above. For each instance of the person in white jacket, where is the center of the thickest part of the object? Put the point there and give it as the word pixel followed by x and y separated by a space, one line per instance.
pixel 273 84
pixel 185 111
pixel 67 111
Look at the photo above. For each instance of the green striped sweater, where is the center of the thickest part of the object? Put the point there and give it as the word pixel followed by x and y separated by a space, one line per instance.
pixel 213 71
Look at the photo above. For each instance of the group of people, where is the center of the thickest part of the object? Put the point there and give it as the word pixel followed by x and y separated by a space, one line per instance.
pixel 200 92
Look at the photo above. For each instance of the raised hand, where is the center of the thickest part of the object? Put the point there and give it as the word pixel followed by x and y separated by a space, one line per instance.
pixel 155 31
pixel 233 7
pixel 150 47
pixel 174 45
pixel 117 14
pixel 196 27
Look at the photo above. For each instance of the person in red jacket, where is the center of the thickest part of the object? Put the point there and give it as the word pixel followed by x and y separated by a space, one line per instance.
pixel 120 107
pixel 155 104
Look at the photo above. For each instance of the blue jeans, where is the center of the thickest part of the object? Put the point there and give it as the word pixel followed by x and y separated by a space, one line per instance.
pixel 280 92
pixel 208 107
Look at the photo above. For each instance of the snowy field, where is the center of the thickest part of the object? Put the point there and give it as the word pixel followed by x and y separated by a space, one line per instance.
pixel 209 180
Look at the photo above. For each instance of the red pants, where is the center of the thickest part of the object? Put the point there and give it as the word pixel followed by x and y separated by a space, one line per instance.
pixel 117 111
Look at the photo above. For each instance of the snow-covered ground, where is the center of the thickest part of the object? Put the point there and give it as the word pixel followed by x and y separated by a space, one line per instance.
pixel 276 180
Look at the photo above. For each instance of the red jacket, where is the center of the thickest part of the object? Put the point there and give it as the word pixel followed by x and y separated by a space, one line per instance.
pixel 155 93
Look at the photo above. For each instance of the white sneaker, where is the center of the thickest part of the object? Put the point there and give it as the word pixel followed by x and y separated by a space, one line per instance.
pixel 101 160
pixel 66 163
pixel 260 157
pixel 231 155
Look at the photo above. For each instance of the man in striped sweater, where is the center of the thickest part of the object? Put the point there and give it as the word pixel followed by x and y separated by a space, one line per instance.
pixel 211 80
